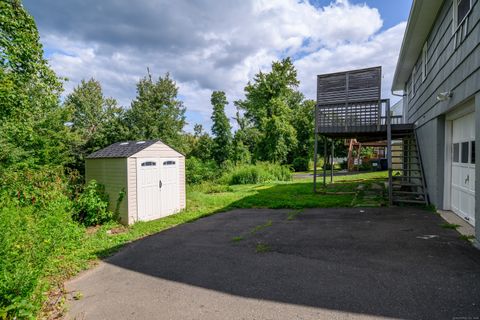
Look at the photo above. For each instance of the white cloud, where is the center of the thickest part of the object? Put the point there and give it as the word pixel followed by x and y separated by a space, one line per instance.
pixel 209 45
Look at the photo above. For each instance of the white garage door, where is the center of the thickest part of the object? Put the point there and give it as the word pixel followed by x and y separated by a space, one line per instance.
pixel 463 167
pixel 157 188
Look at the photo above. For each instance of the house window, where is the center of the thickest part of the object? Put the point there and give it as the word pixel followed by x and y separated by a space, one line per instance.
pixel 456 152
pixel 464 152
pixel 424 61
pixel 472 152
pixel 461 8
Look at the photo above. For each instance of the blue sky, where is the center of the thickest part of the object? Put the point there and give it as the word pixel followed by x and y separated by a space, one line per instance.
pixel 211 45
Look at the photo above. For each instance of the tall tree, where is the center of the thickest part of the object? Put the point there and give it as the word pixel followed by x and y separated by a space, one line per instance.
pixel 244 140
pixel 96 120
pixel 221 129
pixel 303 121
pixel 269 106
pixel 201 144
pixel 32 130
pixel 156 112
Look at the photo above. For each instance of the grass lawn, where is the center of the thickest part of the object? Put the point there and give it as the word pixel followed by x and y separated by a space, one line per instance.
pixel 207 199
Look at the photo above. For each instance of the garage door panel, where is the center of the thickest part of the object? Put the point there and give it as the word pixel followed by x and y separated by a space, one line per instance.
pixel 463 167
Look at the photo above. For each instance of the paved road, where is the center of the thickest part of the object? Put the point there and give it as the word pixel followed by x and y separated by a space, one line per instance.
pixel 324 264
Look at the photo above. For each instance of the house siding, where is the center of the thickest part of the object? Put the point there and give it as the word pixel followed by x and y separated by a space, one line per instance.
pixel 453 64
pixel 112 173
pixel 132 189
pixel 182 182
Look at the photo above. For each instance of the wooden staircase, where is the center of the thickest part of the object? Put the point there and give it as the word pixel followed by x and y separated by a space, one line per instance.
pixel 407 182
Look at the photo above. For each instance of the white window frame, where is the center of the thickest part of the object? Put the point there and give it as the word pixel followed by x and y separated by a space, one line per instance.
pixel 456 23
pixel 424 61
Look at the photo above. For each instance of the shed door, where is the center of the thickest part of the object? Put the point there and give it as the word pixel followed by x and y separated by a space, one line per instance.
pixel 170 186
pixel 148 189
pixel 463 167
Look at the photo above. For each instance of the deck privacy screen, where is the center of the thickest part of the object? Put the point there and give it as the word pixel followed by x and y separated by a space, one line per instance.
pixel 349 99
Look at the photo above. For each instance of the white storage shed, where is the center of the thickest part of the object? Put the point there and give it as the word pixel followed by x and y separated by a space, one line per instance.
pixel 149 174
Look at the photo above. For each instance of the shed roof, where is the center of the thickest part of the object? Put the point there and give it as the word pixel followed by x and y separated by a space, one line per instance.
pixel 122 149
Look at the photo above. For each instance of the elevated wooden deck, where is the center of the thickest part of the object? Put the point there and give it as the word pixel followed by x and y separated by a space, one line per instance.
pixel 349 106
pixel 367 133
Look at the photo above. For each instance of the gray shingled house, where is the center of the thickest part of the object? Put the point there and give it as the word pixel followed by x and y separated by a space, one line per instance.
pixel 438 73
pixel 150 175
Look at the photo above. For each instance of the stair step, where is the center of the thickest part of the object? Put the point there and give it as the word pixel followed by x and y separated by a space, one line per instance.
pixel 406 184
pixel 407 177
pixel 408 193
pixel 410 201
pixel 403 163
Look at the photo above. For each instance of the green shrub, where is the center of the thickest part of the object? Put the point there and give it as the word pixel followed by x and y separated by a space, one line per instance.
pixel 366 166
pixel 91 207
pixel 258 173
pixel 300 164
pixel 198 170
pixel 36 230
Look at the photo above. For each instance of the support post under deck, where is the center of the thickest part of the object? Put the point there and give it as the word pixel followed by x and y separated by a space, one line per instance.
pixel 331 162
pixel 389 154
pixel 315 158
pixel 324 161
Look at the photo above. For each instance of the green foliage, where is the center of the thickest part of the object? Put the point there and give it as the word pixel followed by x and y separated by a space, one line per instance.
pixel 269 104
pixel 303 122
pixel 156 112
pixel 258 173
pixel 198 170
pixel 200 144
pixel 366 166
pixel 96 121
pixel 262 248
pixel 91 207
pixel 36 229
pixel 209 187
pixel 300 164
pixel 221 129
pixel 452 226
pixel 32 130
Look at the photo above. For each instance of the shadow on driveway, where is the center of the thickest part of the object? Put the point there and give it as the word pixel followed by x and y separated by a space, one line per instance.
pixel 317 263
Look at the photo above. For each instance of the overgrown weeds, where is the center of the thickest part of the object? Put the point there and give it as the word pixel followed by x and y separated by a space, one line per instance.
pixel 254 174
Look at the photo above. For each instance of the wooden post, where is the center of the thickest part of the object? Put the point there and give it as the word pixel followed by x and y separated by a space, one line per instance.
pixel 358 156
pixel 389 156
pixel 315 151
pixel 315 156
pixel 331 162
pixel 324 161
pixel 350 160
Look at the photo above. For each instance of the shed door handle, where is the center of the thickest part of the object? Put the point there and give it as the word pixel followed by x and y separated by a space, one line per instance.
pixel 467 180
pixel 160 184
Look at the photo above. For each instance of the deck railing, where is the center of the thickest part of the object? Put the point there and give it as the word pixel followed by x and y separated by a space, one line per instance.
pixel 345 117
pixel 393 120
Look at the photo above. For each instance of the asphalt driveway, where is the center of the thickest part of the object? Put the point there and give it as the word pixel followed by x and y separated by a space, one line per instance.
pixel 278 264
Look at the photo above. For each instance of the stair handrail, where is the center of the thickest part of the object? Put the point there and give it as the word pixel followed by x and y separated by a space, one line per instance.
pixel 424 182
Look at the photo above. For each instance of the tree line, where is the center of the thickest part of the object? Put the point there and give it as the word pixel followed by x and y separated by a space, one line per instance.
pixel 275 121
